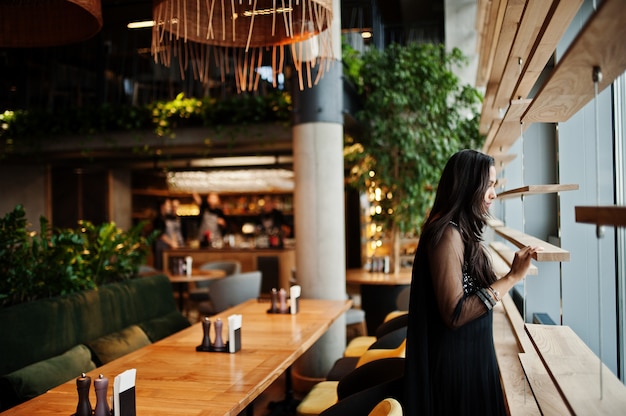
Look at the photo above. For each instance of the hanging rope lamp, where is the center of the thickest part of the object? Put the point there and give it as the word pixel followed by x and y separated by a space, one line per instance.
pixel 43 23
pixel 250 32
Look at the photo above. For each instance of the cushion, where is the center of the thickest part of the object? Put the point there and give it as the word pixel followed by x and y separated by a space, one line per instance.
pixel 357 346
pixel 117 344
pixel 163 326
pixel 37 378
pixel 322 396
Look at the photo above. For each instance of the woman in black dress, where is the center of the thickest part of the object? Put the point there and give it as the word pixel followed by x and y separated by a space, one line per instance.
pixel 451 366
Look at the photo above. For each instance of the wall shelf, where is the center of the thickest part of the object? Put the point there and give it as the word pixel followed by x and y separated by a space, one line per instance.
pixel 537 190
pixel 599 43
pixel 507 254
pixel 502 159
pixel 519 239
pixel 602 215
pixel 575 370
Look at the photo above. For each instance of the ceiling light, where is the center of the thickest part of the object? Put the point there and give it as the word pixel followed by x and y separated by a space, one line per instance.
pixel 248 34
pixel 140 25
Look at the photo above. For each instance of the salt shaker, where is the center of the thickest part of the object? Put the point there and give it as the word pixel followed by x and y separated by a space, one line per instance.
pixel 101 386
pixel 219 342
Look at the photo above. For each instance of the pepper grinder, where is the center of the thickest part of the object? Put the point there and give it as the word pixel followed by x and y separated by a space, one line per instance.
pixel 82 386
pixel 101 386
pixel 219 342
pixel 206 326
pixel 274 298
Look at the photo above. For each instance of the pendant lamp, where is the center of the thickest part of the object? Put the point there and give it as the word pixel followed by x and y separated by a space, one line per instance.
pixel 244 35
pixel 42 23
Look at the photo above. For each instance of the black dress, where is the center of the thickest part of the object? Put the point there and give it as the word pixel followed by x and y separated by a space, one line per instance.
pixel 451 366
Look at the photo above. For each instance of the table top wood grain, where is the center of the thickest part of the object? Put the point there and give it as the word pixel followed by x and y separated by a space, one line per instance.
pixel 173 379
pixel 364 277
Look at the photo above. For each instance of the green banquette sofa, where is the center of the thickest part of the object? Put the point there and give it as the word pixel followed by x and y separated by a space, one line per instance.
pixel 47 342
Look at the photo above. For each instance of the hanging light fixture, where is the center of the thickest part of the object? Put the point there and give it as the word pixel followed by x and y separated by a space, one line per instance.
pixel 248 32
pixel 42 23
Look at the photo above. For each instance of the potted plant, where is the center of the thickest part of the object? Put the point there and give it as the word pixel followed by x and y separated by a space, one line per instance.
pixel 56 262
pixel 415 115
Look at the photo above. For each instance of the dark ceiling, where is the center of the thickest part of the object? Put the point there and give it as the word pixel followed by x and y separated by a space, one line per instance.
pixel 102 69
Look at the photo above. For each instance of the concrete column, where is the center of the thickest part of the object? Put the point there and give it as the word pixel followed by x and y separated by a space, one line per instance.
pixel 319 203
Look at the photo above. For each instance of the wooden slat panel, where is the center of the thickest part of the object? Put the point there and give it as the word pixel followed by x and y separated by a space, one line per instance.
pixel 489 38
pixel 507 254
pixel 510 128
pixel 537 189
pixel 602 215
pixel 575 369
pixel 570 87
pixel 544 390
pixel 531 22
pixel 549 253
pixel 555 25
pixel 491 134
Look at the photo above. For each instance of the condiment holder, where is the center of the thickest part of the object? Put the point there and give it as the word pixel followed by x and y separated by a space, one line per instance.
pixel 232 345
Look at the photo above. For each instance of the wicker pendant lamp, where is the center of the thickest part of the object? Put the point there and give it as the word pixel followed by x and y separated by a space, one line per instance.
pixel 42 23
pixel 251 33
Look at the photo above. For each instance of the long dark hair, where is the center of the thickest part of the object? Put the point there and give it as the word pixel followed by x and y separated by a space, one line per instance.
pixel 460 199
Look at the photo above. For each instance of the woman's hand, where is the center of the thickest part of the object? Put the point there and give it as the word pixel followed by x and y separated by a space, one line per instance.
pixel 521 262
pixel 519 269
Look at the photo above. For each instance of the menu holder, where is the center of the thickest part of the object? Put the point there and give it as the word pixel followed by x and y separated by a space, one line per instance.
pixel 124 393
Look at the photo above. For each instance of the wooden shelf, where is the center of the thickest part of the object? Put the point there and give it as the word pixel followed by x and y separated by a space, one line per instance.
pixel 501 160
pixel 602 215
pixel 537 190
pixel 519 239
pixel 599 43
pixel 517 391
pixel 507 254
pixel 575 370
pixel 494 222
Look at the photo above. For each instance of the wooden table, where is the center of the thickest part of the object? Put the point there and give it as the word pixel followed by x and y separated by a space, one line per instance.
pixel 197 275
pixel 173 379
pixel 378 293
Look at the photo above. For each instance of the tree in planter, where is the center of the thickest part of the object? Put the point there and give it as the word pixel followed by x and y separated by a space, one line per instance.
pixel 416 114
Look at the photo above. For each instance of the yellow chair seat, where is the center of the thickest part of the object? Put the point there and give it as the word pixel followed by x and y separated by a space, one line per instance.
pixel 322 396
pixel 376 354
pixel 357 346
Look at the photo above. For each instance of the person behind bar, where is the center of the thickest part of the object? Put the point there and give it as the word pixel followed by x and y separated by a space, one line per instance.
pixel 212 220
pixel 169 231
pixel 451 366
